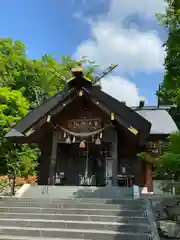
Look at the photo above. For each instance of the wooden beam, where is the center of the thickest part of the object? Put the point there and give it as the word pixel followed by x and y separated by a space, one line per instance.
pixel 39 124
pixel 48 116
pixel 52 173
pixel 60 107
pixel 114 116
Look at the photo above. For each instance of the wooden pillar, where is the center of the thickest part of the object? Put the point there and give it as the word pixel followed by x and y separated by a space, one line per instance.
pixel 52 173
pixel 43 169
pixel 148 182
pixel 45 146
pixel 114 158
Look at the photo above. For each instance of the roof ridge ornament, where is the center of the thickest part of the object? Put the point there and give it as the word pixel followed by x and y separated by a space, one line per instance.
pixel 77 72
pixel 109 69
pixel 77 69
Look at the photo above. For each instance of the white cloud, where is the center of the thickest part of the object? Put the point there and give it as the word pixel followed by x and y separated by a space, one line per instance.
pixel 120 9
pixel 121 89
pixel 133 49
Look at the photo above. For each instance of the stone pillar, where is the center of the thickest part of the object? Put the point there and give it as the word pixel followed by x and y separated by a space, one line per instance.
pixel 52 172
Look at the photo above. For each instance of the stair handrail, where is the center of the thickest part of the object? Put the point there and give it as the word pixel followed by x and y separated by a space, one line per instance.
pixel 46 188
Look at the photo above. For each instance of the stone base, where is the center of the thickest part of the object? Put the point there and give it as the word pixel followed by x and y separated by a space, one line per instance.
pixel 169 228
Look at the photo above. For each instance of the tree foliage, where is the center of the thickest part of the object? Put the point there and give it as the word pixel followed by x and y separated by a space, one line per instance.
pixel 170 88
pixel 25 84
pixel 168 164
pixel 15 159
pixel 38 79
pixel 13 106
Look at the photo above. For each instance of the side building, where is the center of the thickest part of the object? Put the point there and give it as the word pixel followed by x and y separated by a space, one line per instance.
pixel 87 137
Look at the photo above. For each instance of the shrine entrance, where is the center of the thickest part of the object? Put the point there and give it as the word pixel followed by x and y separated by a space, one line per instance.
pixel 81 166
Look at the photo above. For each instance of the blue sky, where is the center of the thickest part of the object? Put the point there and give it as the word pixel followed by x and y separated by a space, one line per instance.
pixel 94 28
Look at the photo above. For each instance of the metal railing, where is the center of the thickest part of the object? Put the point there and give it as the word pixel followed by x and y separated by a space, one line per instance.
pixel 45 190
pixel 46 187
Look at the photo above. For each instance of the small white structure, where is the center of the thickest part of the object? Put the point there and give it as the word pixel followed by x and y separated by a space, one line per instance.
pixel 136 192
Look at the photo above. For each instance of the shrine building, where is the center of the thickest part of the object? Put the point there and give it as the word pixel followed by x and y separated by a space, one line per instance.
pixel 87 137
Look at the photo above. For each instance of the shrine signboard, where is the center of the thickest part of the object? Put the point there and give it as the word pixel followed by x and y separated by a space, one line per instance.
pixel 84 125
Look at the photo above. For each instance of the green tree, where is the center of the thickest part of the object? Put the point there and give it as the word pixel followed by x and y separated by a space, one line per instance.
pixel 15 159
pixel 37 79
pixel 170 88
pixel 168 164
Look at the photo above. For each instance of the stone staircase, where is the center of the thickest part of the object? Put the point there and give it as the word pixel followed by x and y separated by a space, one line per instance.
pixel 74 192
pixel 48 218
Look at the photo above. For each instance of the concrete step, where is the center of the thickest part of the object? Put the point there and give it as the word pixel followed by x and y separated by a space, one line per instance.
pixel 91 219
pixel 59 233
pixel 86 225
pixel 111 212
pixel 75 217
pixel 64 205
pixel 8 237
pixel 44 200
pixel 65 192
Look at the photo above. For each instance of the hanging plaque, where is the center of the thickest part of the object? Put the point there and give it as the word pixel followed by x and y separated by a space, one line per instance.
pixel 84 125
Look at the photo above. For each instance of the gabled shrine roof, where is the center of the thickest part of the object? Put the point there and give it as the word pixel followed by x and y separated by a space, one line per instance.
pixel 144 120
pixel 37 113
pixel 118 108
